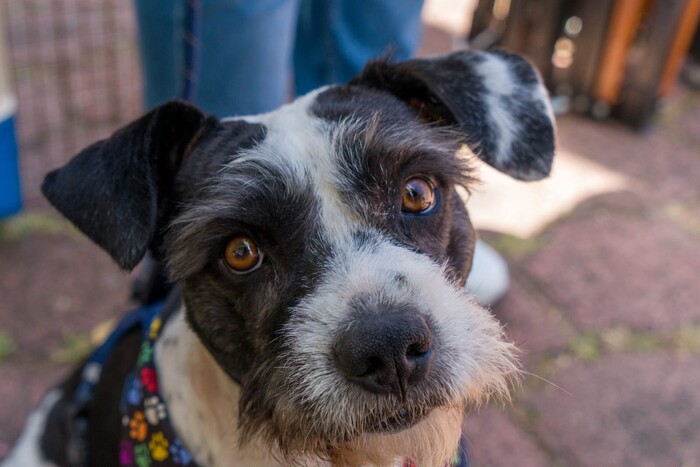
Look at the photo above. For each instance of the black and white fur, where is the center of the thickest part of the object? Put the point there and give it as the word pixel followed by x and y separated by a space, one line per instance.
pixel 248 363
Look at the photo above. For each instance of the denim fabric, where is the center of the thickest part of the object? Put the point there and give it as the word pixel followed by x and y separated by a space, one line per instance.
pixel 247 47
pixel 335 38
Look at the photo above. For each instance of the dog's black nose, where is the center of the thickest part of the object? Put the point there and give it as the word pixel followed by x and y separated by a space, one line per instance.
pixel 385 352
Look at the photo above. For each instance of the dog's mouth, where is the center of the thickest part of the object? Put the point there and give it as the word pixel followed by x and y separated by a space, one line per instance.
pixel 400 420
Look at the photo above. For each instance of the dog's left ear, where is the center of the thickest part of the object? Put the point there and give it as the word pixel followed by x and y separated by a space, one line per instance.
pixel 495 99
pixel 116 189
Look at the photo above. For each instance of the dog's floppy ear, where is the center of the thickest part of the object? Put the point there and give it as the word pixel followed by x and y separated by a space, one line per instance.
pixel 496 99
pixel 113 189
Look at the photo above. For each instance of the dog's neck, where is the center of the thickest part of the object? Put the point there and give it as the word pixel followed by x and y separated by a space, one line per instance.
pixel 202 400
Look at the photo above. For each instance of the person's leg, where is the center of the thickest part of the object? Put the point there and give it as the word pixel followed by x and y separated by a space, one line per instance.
pixel 336 38
pixel 245 53
pixel 160 45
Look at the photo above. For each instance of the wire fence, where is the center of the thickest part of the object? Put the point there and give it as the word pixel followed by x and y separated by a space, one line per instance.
pixel 76 75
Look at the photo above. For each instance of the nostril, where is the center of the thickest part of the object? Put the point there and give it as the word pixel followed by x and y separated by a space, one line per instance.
pixel 374 365
pixel 417 351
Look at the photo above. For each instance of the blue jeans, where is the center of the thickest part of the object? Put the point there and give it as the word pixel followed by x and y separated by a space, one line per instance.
pixel 249 48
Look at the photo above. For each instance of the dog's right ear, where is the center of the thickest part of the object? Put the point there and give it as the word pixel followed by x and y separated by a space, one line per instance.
pixel 114 189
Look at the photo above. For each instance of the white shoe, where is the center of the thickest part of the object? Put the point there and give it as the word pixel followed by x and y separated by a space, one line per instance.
pixel 489 278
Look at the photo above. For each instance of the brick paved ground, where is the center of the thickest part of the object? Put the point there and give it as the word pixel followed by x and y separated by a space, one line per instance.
pixel 604 303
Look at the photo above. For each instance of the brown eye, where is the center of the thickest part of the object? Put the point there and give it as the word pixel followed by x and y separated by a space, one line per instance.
pixel 418 196
pixel 242 254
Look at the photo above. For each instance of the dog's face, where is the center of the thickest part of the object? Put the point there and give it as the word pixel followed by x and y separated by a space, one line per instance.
pixel 322 248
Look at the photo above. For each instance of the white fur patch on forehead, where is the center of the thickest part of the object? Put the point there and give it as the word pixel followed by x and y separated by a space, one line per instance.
pixel 293 137
pixel 302 143
pixel 306 100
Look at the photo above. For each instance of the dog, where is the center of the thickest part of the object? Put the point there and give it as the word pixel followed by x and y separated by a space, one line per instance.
pixel 319 252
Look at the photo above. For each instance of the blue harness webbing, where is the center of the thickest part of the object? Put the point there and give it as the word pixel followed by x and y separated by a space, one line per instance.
pixel 138 318
pixel 77 448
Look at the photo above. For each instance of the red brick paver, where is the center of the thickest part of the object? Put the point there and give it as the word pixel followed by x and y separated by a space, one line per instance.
pixel 54 286
pixel 495 441
pixel 22 386
pixel 609 269
pixel 532 327
pixel 641 410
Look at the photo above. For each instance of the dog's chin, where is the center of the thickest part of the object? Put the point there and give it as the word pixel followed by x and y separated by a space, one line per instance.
pixel 426 432
pixel 402 419
pixel 429 438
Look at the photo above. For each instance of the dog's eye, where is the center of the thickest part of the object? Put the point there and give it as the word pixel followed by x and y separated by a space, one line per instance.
pixel 242 255
pixel 418 196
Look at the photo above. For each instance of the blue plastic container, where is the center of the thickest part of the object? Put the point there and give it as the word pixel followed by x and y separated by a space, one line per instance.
pixel 10 194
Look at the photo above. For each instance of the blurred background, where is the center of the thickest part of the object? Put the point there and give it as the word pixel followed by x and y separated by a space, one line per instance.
pixel 604 255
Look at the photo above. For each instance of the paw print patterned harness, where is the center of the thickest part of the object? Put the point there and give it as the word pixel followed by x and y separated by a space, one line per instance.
pixel 148 438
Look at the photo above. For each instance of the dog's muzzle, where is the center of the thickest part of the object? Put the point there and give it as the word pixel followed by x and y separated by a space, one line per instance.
pixel 387 352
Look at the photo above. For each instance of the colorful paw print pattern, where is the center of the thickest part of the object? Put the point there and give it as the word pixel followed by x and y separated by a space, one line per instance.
pixel 148 438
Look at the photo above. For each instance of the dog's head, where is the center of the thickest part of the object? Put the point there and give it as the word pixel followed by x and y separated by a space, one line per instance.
pixel 322 248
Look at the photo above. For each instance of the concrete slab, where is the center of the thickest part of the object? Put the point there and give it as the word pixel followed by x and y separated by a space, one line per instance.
pixel 524 209
pixel 660 165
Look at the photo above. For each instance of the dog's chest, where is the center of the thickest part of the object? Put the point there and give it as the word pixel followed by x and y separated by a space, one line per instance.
pixel 202 400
